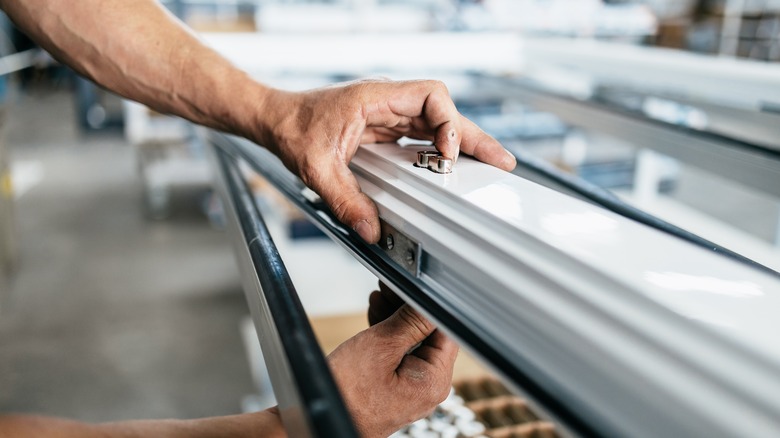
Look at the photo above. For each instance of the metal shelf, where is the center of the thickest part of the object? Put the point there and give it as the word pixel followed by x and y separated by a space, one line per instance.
pixel 756 166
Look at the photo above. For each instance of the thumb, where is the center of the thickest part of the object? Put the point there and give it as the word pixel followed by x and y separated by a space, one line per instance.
pixel 406 327
pixel 341 192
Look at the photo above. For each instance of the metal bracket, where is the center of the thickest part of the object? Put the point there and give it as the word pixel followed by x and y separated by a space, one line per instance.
pixel 433 161
pixel 401 248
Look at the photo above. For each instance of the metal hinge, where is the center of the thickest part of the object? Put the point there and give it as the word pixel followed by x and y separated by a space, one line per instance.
pixel 401 248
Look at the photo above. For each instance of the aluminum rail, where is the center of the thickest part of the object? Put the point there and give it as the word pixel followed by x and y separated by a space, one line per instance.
pixel 309 401
pixel 755 166
pixel 611 327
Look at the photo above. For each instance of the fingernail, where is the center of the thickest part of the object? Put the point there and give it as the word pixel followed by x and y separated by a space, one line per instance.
pixel 364 229
pixel 510 161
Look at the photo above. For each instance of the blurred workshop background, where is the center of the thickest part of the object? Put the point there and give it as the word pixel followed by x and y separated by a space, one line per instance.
pixel 120 297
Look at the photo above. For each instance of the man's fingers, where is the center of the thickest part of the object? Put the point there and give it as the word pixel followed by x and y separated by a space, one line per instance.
pixel 379 308
pixel 382 304
pixel 441 351
pixel 340 190
pixel 447 140
pixel 407 328
pixel 391 296
pixel 484 147
pixel 429 101
pixel 442 116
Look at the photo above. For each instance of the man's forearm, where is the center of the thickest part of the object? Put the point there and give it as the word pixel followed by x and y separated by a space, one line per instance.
pixel 264 424
pixel 137 49
pixel 140 51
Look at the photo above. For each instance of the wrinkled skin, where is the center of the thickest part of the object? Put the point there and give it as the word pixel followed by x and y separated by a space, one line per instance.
pixel 316 134
pixel 390 383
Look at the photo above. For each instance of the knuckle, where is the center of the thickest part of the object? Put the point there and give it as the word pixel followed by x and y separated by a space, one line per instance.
pixel 414 320
pixel 340 204
pixel 356 88
pixel 442 392
pixel 480 148
pixel 433 394
pixel 311 174
pixel 361 87
pixel 439 86
pixel 428 412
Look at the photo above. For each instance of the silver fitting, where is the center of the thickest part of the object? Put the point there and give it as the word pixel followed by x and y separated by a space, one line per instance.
pixel 440 164
pixel 424 156
pixel 433 161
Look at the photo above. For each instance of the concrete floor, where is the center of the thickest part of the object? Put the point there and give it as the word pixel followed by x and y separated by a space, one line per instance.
pixel 111 316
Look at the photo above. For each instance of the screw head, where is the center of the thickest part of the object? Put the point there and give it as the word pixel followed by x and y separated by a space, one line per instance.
pixel 389 241
pixel 410 256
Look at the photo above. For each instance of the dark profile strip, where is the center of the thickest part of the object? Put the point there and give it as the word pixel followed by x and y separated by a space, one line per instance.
pixel 315 399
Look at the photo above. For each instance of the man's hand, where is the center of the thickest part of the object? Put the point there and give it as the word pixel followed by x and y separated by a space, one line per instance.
pixel 316 134
pixel 391 374
pixel 142 52
pixel 387 382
